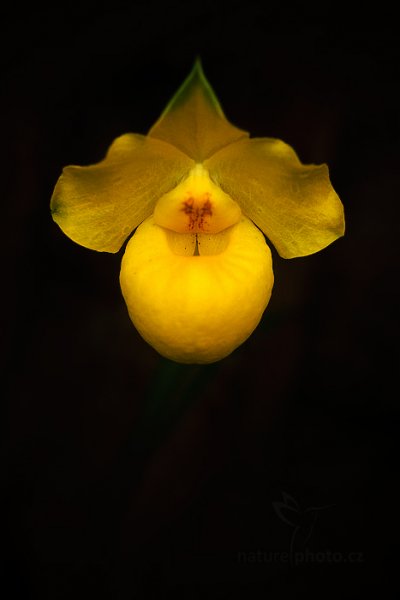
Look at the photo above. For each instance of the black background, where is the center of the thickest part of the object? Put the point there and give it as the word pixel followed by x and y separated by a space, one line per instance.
pixel 127 476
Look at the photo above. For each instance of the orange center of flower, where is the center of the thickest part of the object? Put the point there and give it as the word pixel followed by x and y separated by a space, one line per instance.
pixel 199 212
pixel 196 205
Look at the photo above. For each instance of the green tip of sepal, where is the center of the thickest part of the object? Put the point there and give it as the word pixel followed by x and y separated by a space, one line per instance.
pixel 196 80
pixel 193 119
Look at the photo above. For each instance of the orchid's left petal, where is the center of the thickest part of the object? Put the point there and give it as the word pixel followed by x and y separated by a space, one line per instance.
pixel 99 206
pixel 295 205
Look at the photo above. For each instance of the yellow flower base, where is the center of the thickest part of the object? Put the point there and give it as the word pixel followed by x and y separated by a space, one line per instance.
pixel 196 307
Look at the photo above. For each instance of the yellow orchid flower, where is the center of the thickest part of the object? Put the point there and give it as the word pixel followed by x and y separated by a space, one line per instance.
pixel 197 273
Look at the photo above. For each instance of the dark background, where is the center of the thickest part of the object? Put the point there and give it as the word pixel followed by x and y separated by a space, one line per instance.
pixel 127 476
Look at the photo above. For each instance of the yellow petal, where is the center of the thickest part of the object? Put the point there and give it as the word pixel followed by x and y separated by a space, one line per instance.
pixel 196 308
pixel 99 206
pixel 193 121
pixel 295 205
pixel 196 205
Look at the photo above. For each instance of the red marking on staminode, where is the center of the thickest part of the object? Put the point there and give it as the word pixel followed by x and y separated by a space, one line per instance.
pixel 197 216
